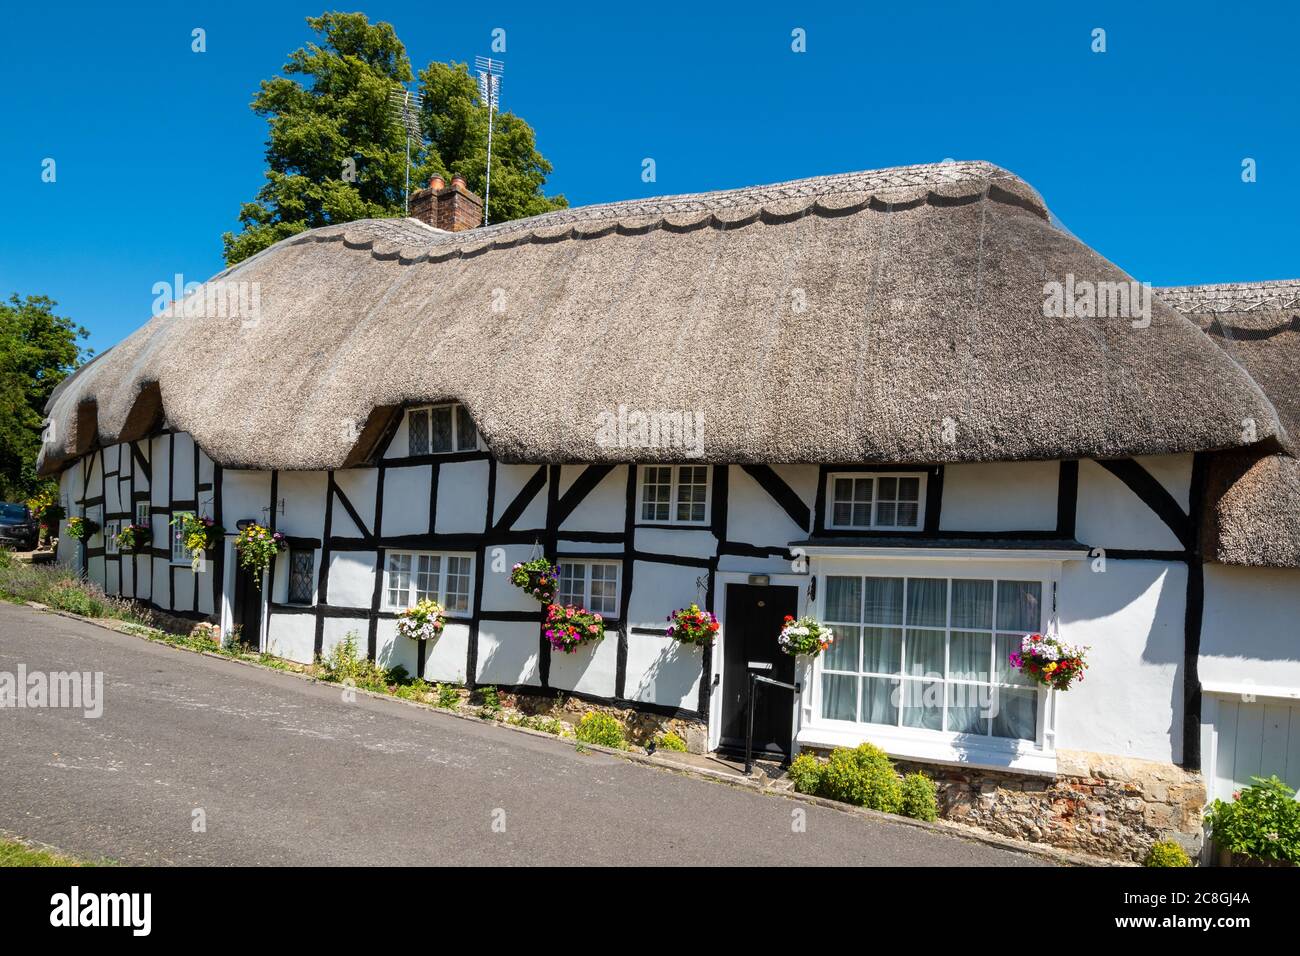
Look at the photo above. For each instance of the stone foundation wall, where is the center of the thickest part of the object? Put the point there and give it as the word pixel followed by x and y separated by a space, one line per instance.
pixel 1099 804
pixel 641 727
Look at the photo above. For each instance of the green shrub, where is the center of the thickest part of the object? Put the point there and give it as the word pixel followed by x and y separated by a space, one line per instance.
pixel 863 776
pixel 670 741
pixel 345 663
pixel 489 702
pixel 919 801
pixel 1166 853
pixel 1263 821
pixel 806 773
pixel 597 728
pixel 448 696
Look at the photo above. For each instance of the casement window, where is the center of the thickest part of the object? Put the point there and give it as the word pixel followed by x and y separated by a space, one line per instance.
pixel 877 501
pixel 142 514
pixel 590 584
pixel 440 430
pixel 302 565
pixel 931 653
pixel 111 529
pixel 675 494
pixel 412 577
pixel 179 554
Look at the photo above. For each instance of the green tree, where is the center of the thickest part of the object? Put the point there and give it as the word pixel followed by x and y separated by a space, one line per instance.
pixel 38 349
pixel 456 123
pixel 336 153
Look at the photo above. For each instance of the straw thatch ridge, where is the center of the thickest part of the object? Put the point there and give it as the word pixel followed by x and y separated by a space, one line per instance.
pixel 1253 498
pixel 894 316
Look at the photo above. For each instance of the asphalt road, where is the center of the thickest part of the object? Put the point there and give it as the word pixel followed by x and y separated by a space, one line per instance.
pixel 286 772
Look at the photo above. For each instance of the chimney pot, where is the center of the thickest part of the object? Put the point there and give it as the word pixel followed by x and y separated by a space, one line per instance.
pixel 436 183
pixel 458 180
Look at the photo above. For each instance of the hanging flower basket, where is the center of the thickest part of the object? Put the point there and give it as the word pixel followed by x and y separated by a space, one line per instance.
pixel 804 636
pixel 198 535
pixel 423 622
pixel 1049 661
pixel 46 511
pixel 257 547
pixel 537 578
pixel 568 627
pixel 690 625
pixel 81 528
pixel 134 538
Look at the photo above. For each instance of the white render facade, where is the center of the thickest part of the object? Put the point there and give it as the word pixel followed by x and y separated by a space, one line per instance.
pixel 971 556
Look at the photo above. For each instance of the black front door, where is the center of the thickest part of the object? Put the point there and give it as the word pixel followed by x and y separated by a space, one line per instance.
pixel 248 607
pixel 754 619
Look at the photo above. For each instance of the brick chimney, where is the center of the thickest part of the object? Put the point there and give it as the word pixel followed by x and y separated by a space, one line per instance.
pixel 453 208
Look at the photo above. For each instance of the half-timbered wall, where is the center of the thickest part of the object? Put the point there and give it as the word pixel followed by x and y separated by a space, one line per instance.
pixel 1137 601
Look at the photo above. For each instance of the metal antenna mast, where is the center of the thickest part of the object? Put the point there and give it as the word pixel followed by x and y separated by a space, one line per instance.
pixel 489 91
pixel 405 107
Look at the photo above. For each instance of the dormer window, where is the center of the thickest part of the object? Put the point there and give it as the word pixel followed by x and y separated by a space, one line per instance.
pixel 440 430
pixel 877 501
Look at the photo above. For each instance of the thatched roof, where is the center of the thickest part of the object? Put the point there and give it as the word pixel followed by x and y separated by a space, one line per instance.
pixel 891 316
pixel 1253 497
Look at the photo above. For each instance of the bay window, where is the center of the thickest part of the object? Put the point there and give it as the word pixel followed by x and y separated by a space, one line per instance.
pixel 931 654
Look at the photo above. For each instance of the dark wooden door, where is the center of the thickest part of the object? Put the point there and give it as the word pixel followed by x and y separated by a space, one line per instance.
pixel 754 616
pixel 247 612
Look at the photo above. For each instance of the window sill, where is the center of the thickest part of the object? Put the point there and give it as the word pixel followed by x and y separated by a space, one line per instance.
pixel 932 747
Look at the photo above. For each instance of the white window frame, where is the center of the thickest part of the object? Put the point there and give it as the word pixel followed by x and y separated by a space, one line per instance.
pixel 145 519
pixel 672 496
pixel 455 429
pixel 586 565
pixel 184 557
pixel 1036 756
pixel 441 596
pixel 111 529
pixel 875 500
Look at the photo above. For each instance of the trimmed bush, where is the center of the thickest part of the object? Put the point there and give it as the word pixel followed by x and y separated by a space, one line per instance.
pixel 919 801
pixel 863 776
pixel 602 729
pixel 670 741
pixel 806 773
pixel 1166 853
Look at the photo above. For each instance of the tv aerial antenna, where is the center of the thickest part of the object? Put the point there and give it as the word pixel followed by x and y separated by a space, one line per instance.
pixel 405 107
pixel 489 93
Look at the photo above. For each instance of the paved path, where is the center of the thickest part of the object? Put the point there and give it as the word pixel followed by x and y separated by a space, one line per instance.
pixel 286 772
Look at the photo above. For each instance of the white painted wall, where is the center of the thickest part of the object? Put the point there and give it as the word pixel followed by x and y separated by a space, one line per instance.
pixel 1000 496
pixel 507 652
pixel 1250 633
pixel 406 500
pixel 1112 516
pixel 1131 699
pixel 462 497
pixel 663 671
pixel 604 508
pixel 591 669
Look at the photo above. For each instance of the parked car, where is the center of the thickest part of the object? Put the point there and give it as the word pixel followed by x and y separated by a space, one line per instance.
pixel 17 526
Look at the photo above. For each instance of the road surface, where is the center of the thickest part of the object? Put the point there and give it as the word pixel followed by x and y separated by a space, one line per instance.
pixel 285 772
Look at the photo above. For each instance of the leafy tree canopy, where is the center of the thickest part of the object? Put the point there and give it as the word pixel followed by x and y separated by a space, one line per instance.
pixel 336 152
pixel 38 349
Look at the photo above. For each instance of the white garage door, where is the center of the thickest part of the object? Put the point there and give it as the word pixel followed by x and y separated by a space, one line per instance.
pixel 1254 739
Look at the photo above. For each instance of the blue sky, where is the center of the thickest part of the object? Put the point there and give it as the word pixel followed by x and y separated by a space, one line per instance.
pixel 1137 150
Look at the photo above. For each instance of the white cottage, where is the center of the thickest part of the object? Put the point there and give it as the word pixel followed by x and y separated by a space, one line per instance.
pixel 901 401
